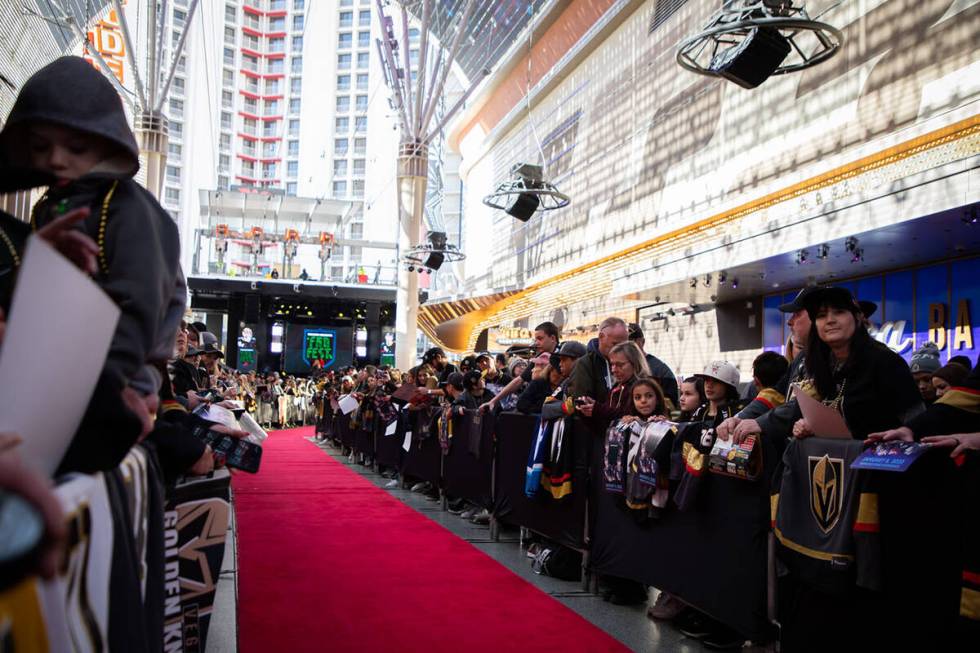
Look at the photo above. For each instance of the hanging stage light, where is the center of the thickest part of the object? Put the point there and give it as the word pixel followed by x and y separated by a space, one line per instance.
pixel 747 41
pixel 526 193
pixel 431 256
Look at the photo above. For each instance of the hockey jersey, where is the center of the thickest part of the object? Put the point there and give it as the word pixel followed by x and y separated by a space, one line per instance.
pixel 825 516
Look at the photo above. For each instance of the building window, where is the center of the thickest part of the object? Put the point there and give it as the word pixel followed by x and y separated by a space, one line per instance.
pixel 294 106
pixel 231 14
pixel 223 183
pixel 250 105
pixel 172 195
pixel 363 39
pixel 277 5
pixel 362 82
pixel 343 82
pixel 297 64
pixel 224 162
pixel 357 230
pixel 270 129
pixel 277 44
pixel 341 125
pixel 178 85
pixel 360 124
pixel 294 127
pixel 362 60
pixel 269 149
pixel 362 103
pixel 250 42
pixel 340 189
pixel 176 129
pixel 343 103
pixel 227 99
pixel 343 61
pixel 413 34
pixel 358 167
pixel 291 189
pixel 364 18
pixel 360 145
pixel 347 19
pixel 269 170
pixel 224 141
pixel 272 107
pixel 354 252
pixel 272 87
pixel 340 167
pixel 293 148
pixel 298 5
pixel 176 107
pixel 174 150
pixel 229 56
pixel 340 146
pixel 226 120
pixel 180 18
pixel 230 35
pixel 228 77
pixel 297 43
pixel 173 174
pixel 358 189
pixel 298 23
pixel 274 66
pixel 277 24
pixel 292 169
pixel 345 40
pixel 296 85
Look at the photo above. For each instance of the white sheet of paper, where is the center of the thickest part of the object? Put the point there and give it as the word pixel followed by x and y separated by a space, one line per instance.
pixel 58 334
pixel 256 433
pixel 407 444
pixel 824 421
pixel 347 404
pixel 392 428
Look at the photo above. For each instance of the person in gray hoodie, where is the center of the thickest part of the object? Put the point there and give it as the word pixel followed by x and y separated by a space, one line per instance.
pixel 68 129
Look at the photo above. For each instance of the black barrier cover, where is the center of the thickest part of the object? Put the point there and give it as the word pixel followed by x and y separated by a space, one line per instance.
pixel 389 447
pixel 347 434
pixel 562 520
pixel 424 460
pixel 364 441
pixel 468 475
pixel 712 556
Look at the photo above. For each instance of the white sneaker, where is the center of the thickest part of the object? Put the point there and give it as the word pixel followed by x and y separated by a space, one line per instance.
pixel 393 483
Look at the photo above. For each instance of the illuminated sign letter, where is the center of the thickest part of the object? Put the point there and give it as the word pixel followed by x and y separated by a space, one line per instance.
pixel 963 333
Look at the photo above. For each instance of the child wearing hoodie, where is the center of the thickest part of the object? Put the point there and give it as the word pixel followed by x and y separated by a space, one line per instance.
pixel 68 127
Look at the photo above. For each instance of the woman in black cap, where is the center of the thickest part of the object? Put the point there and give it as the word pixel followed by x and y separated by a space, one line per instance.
pixel 867 382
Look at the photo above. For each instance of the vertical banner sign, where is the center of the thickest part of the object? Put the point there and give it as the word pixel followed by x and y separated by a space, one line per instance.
pixel 107 37
pixel 319 347
pixel 195 523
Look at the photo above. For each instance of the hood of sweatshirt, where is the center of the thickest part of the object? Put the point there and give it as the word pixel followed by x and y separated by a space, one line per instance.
pixel 68 92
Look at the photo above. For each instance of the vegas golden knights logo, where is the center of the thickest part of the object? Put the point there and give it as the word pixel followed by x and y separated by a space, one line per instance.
pixel 826 490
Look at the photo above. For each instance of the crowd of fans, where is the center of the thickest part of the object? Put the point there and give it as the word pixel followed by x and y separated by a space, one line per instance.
pixel 160 371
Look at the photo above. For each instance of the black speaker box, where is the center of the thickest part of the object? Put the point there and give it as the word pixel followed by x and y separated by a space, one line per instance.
pixel 523 206
pixel 754 60
pixel 251 312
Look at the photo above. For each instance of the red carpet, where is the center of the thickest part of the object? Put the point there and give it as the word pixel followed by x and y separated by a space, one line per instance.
pixel 329 562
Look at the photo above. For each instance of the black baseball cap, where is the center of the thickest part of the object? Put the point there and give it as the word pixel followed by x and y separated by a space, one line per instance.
pixel 799 302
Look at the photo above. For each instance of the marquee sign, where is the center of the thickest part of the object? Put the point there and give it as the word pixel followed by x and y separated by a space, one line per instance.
pixel 319 347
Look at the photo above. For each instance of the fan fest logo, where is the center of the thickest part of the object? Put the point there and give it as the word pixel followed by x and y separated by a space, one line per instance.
pixel 319 347
pixel 826 490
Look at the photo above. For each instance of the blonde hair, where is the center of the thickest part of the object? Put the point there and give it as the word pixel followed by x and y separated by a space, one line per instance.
pixel 632 352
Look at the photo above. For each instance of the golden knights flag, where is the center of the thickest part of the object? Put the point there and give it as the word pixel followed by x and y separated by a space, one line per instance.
pixel 824 515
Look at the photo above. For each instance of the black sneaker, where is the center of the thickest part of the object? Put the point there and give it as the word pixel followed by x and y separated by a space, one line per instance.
pixel 724 639
pixel 696 625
